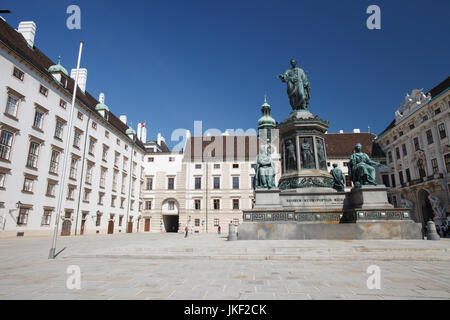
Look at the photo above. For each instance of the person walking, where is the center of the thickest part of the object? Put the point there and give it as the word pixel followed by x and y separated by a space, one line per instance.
pixel 218 229
pixel 186 231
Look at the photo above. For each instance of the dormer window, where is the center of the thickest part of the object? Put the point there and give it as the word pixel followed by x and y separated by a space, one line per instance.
pixel 43 90
pixel 18 74
pixel 63 81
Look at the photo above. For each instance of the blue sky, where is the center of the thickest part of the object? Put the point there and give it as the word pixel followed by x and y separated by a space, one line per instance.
pixel 173 62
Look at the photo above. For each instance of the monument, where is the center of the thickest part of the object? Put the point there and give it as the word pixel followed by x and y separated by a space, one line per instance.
pixel 310 202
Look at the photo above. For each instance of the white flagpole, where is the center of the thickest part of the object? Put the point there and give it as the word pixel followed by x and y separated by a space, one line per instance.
pixel 66 157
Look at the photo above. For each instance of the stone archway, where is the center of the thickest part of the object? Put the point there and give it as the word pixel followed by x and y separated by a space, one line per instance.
pixel 170 215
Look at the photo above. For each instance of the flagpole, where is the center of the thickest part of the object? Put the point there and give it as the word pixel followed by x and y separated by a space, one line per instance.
pixel 66 157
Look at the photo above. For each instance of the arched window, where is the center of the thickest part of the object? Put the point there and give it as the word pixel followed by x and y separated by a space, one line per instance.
pixel 421 168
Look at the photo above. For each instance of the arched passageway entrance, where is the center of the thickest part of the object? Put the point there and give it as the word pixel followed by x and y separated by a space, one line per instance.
pixel 170 215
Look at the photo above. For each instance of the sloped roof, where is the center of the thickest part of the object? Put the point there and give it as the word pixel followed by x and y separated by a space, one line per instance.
pixel 245 147
pixel 342 144
pixel 16 42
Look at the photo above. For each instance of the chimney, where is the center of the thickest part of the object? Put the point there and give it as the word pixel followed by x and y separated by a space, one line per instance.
pixel 144 134
pixel 123 118
pixel 341 131
pixel 356 131
pixel 158 141
pixel 82 77
pixel 28 31
pixel 139 131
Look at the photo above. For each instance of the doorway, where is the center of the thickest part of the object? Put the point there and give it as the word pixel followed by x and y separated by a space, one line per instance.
pixel 66 226
pixel 147 225
pixel 111 227
pixel 425 208
pixel 170 222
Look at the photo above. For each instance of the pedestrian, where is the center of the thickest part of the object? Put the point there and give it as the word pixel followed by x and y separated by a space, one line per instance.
pixel 218 229
pixel 186 230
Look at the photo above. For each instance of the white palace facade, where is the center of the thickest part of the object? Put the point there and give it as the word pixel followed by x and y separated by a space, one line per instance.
pixel 101 193
pixel 417 147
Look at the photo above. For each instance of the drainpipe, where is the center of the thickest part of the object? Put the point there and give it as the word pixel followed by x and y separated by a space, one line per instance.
pixel 82 171
pixel 129 185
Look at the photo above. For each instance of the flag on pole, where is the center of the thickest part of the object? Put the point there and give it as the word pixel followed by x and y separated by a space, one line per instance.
pixel 143 124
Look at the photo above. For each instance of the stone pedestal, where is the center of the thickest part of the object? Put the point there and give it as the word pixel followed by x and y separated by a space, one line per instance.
pixel 269 199
pixel 369 197
pixel 431 231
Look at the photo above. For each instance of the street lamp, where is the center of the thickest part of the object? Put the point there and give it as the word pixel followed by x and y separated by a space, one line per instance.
pixel 18 204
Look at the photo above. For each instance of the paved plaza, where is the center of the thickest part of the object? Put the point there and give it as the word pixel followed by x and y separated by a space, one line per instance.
pixel 169 266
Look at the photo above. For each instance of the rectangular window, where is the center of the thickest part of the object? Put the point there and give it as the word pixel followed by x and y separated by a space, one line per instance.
pixel 98 221
pixel 18 74
pixel 46 217
pixel 124 178
pixel 2 179
pixel 86 195
pixel 89 170
pixel 148 205
pixel 216 182
pixel 149 185
pixel 429 136
pixel 5 144
pixel 171 205
pixel 171 159
pixel 216 203
pixel 198 166
pixel 73 168
pixel 442 133
pixel 411 126
pixel 390 156
pixel 236 221
pixel 80 115
pixel 405 152
pixel 22 217
pixel 33 153
pixel 447 162
pixel 70 192
pixel 116 159
pixel 54 162
pixel 416 144
pixel 235 204
pixel 235 182
pixel 437 111
pixel 216 222
pixel 393 180
pixel 385 178
pixel 400 175
pixel 397 153
pixel 434 165
pixel 198 183
pixel 113 201
pixel 76 139
pixel 105 153
pixel 235 165
pixel 120 220
pixel 59 129
pixel 103 177
pixel 114 182
pixel 216 165
pixel 62 104
pixel 28 185
pixel 170 183
pixel 197 222
pixel 51 186
pixel 91 146
pixel 197 204
pixel 12 105
pixel 101 195
pixel 37 123
pixel 43 90
pixel 150 159
pixel 94 125
pixel 106 134
pixel 408 175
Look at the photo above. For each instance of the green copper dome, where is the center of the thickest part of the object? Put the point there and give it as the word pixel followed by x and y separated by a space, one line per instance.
pixel 130 131
pixel 58 68
pixel 266 120
pixel 101 106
